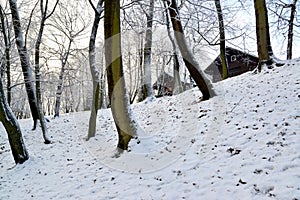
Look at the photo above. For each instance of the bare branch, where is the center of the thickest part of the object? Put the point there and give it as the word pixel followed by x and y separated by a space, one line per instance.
pixel 29 22
pixel 52 9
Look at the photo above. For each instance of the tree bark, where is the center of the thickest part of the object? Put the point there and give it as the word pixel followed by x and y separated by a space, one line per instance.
pixel 7 54
pixel 147 87
pixel 13 129
pixel 37 70
pixel 116 82
pixel 141 69
pixel 25 63
pixel 94 71
pixel 290 31
pixel 202 82
pixel 177 82
pixel 59 89
pixel 222 40
pixel 264 47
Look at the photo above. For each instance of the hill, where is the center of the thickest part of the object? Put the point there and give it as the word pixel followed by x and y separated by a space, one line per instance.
pixel 242 144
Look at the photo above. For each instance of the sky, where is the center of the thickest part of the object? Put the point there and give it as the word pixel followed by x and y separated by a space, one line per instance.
pixel 247 17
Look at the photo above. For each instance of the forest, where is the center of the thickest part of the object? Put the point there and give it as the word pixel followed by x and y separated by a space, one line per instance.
pixel 117 92
pixel 47 41
pixel 59 58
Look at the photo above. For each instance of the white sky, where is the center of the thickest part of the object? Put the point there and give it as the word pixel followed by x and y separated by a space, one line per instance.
pixel 279 48
pixel 243 17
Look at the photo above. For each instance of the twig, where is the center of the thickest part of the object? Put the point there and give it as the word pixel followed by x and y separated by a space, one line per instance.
pixel 236 104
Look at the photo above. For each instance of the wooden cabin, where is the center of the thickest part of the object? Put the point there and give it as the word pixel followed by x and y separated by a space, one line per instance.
pixel 238 63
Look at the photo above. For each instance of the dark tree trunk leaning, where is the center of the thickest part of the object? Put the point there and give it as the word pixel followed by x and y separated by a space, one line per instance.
pixel 177 85
pixel 13 129
pixel 6 36
pixel 25 63
pixel 193 67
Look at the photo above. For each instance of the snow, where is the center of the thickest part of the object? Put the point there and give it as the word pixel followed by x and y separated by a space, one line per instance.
pixel 242 144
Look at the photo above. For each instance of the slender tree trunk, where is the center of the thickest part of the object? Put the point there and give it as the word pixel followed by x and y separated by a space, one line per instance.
pixel 38 73
pixel 13 129
pixel 102 84
pixel 59 89
pixel 116 83
pixel 177 83
pixel 147 87
pixel 7 54
pixel 132 85
pixel 222 40
pixel 141 70
pixel 202 82
pixel 25 62
pixel 94 71
pixel 290 31
pixel 264 47
pixel 38 85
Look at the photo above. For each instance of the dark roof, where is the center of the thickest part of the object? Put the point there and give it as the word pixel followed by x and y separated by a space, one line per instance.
pixel 241 63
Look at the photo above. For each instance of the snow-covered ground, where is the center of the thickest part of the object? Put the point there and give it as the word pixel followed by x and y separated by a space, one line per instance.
pixel 242 144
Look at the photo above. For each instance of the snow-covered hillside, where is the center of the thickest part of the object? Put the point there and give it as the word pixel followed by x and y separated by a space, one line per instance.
pixel 242 144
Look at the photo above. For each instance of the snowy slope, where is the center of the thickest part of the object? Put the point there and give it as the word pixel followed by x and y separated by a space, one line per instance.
pixel 242 144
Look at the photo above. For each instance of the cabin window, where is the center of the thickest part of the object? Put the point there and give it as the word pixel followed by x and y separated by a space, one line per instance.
pixel 233 58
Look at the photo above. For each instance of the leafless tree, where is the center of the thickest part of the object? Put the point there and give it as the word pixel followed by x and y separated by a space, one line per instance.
pixel 25 62
pixel 5 30
pixel 44 17
pixel 285 21
pixel 115 77
pixel 94 71
pixel 222 40
pixel 178 88
pixel 202 82
pixel 264 48
pixel 13 129
pixel 147 86
pixel 70 25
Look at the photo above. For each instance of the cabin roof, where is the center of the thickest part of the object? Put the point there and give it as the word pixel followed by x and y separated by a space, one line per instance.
pixel 243 62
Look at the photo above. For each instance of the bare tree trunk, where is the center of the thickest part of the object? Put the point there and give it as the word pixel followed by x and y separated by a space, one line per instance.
pixel 94 71
pixel 37 69
pixel 115 77
pixel 59 89
pixel 25 63
pixel 147 87
pixel 177 83
pixel 264 47
pixel 202 82
pixel 103 95
pixel 290 31
pixel 7 54
pixel 222 40
pixel 141 70
pixel 132 81
pixel 13 129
